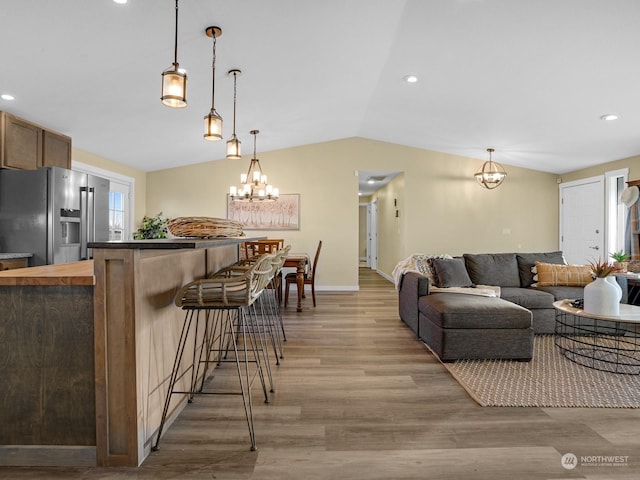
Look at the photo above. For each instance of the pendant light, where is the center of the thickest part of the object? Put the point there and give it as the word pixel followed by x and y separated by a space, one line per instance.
pixel 174 79
pixel 233 144
pixel 213 121
pixel 492 174
pixel 254 186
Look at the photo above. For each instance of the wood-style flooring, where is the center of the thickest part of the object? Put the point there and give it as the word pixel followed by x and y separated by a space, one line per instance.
pixel 358 397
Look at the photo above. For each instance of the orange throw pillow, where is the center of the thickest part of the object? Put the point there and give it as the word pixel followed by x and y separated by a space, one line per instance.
pixel 550 274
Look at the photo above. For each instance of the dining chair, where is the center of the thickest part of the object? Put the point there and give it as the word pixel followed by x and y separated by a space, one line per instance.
pixel 260 247
pixel 309 278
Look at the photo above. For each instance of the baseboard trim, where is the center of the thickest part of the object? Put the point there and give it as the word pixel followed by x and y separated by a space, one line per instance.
pixel 337 288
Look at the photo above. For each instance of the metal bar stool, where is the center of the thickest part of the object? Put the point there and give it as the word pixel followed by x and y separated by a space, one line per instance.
pixel 226 301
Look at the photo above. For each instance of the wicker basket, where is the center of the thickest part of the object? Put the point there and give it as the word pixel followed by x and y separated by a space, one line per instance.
pixel 204 227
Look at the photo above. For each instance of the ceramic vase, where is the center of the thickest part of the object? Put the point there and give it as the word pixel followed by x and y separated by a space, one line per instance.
pixel 602 297
pixel 612 280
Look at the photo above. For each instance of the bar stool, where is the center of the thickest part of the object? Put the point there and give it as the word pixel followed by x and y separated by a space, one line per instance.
pixel 258 320
pixel 225 300
pixel 270 306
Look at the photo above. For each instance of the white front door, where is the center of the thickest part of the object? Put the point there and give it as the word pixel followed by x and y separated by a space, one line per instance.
pixel 582 220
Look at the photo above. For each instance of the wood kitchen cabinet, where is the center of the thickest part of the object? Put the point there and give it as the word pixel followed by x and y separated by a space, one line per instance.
pixel 56 149
pixel 21 143
pixel 27 146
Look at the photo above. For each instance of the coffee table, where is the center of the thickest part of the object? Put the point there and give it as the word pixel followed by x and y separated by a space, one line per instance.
pixel 607 343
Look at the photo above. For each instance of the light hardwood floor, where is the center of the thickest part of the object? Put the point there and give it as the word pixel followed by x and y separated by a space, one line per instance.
pixel 358 397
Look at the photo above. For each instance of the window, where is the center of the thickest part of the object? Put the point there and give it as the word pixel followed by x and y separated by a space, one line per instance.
pixel 117 224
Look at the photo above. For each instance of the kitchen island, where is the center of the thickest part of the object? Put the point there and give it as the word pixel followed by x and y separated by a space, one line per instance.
pixel 130 327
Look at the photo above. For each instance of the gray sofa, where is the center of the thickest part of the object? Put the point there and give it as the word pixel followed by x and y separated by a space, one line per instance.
pixel 456 326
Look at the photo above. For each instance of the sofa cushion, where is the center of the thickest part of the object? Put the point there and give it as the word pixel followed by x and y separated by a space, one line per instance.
pixel 527 297
pixel 549 274
pixel 452 310
pixel 451 272
pixel 561 292
pixel 499 269
pixel 527 260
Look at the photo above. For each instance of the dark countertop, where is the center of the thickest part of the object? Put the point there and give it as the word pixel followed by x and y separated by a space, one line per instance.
pixel 12 256
pixel 173 243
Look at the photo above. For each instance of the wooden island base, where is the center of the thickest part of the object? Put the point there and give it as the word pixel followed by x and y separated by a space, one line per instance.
pixel 87 366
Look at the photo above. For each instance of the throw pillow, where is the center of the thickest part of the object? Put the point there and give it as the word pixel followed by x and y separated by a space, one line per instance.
pixel 527 260
pixel 550 274
pixel 499 269
pixel 423 264
pixel 451 272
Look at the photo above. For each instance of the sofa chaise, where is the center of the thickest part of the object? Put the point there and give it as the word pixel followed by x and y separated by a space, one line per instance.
pixel 456 326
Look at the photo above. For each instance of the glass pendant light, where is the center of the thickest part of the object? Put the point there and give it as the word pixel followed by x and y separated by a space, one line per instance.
pixel 213 121
pixel 174 79
pixel 233 144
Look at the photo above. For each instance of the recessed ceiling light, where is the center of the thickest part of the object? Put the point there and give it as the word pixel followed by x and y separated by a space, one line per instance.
pixel 359 194
pixel 609 116
pixel 371 181
pixel 121 2
pixel 410 78
pixel 6 96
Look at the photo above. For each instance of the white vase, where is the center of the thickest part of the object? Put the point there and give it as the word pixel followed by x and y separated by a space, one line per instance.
pixel 602 298
pixel 612 280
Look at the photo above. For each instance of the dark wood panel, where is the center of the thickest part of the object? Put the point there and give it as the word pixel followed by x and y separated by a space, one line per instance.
pixel 47 366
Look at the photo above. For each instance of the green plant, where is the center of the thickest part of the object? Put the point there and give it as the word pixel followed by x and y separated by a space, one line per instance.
pixel 602 268
pixel 152 227
pixel 620 256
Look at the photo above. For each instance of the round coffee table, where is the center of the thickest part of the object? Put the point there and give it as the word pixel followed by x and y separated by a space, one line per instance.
pixel 607 343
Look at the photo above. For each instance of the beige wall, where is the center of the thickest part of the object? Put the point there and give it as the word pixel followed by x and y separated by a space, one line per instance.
pixel 442 208
pixel 632 163
pixel 140 177
pixel 391 229
pixel 362 232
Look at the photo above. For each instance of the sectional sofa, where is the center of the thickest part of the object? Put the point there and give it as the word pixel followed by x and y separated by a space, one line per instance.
pixel 459 325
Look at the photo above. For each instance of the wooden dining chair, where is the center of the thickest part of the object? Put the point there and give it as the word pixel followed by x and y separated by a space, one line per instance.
pixel 309 278
pixel 260 247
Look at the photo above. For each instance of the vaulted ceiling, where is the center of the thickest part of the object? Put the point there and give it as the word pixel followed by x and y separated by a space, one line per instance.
pixel 530 78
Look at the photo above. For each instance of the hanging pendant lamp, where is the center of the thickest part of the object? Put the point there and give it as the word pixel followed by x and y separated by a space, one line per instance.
pixel 213 121
pixel 174 79
pixel 492 174
pixel 233 144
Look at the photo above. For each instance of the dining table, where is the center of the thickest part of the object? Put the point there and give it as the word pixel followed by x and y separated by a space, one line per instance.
pixel 300 262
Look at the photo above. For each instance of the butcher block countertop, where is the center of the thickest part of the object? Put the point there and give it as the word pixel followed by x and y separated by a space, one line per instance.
pixel 74 273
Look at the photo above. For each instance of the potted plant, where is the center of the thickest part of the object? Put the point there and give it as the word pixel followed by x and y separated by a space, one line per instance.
pixel 152 227
pixel 621 260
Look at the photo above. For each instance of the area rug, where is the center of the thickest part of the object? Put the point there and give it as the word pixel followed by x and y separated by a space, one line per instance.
pixel 549 380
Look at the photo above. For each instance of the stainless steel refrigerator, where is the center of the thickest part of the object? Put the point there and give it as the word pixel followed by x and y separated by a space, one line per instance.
pixel 52 213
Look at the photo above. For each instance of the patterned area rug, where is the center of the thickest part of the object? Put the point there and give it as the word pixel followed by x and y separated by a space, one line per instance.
pixel 549 380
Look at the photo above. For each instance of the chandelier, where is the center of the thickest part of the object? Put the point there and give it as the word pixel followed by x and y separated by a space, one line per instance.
pixel 492 174
pixel 253 184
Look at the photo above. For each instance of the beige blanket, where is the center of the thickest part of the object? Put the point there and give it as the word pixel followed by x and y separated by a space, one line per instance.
pixel 481 290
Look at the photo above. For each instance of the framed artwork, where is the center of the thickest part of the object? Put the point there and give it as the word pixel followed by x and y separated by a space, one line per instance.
pixel 283 214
